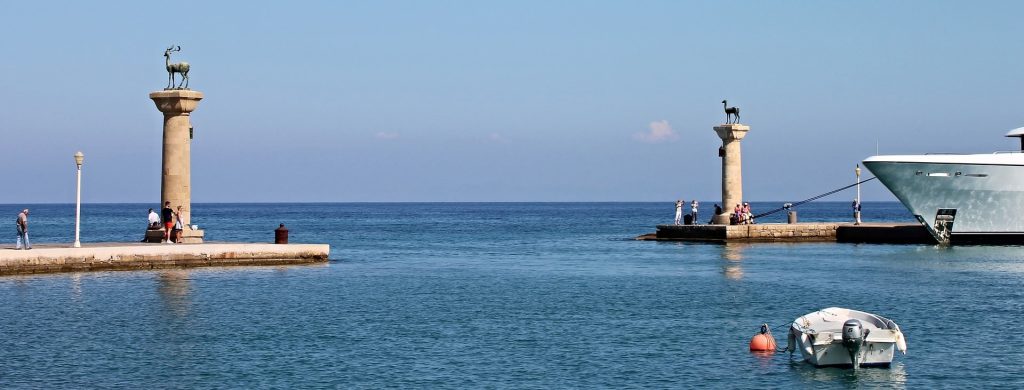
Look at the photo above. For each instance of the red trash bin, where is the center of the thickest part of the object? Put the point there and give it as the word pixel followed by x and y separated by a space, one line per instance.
pixel 281 235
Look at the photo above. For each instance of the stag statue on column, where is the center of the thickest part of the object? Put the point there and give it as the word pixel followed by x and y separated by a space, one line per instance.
pixel 177 67
pixel 729 112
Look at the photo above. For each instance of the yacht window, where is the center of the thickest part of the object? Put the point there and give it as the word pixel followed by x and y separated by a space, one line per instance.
pixel 977 175
pixel 939 174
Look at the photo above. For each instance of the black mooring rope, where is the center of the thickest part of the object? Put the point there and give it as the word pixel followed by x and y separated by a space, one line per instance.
pixel 812 199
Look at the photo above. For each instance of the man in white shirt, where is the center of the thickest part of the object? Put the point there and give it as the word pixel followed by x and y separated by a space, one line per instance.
pixel 154 219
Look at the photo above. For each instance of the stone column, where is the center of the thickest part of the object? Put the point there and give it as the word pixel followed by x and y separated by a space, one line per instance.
pixel 175 185
pixel 732 168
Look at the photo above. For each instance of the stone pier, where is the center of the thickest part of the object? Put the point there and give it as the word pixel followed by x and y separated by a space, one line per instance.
pixel 175 185
pixel 869 233
pixel 134 256
pixel 732 168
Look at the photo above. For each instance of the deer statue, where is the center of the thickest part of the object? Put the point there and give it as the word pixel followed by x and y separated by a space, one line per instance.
pixel 729 111
pixel 178 67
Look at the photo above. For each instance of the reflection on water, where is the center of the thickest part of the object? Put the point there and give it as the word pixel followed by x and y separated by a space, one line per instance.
pixel 732 253
pixel 893 377
pixel 76 287
pixel 765 359
pixel 174 291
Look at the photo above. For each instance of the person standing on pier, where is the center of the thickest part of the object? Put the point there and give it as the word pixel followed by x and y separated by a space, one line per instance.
pixel 178 226
pixel 693 211
pixel 23 230
pixel 856 211
pixel 679 210
pixel 168 214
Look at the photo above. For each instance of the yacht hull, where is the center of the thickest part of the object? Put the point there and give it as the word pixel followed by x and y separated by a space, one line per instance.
pixel 961 199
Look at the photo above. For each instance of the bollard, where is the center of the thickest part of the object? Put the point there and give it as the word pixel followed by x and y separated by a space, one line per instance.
pixel 791 217
pixel 281 235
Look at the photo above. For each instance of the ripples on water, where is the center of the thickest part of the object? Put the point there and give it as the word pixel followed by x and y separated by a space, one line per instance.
pixel 499 295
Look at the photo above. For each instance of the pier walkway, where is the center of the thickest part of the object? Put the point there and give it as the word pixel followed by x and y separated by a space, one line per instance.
pixel 49 258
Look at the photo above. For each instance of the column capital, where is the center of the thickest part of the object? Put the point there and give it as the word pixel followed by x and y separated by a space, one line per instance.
pixel 177 101
pixel 732 131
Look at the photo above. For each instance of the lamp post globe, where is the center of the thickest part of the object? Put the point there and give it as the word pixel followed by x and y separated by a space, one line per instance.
pixel 79 159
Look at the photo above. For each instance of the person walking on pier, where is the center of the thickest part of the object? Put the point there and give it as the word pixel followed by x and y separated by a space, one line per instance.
pixel 679 210
pixel 693 212
pixel 168 215
pixel 23 230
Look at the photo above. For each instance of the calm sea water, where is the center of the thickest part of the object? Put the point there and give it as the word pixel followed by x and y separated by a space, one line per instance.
pixel 499 295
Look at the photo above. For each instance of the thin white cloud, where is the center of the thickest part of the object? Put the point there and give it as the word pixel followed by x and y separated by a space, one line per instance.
pixel 660 131
pixel 386 135
pixel 495 137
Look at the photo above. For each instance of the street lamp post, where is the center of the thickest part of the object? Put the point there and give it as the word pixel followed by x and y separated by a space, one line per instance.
pixel 79 157
pixel 856 209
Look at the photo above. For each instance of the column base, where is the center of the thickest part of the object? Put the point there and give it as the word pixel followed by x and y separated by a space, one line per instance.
pixel 721 219
pixel 189 236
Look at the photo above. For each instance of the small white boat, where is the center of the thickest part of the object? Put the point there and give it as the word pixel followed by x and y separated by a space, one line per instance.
pixel 844 337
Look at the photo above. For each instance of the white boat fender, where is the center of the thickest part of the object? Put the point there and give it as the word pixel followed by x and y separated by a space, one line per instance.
pixel 791 341
pixel 901 343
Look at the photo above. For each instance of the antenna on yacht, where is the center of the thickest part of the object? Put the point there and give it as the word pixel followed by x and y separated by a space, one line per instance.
pixel 876 146
pixel 1019 133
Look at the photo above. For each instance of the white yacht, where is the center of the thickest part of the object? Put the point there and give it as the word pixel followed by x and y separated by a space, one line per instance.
pixel 960 198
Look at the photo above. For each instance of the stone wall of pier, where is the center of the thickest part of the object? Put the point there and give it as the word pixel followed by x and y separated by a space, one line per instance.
pixel 142 257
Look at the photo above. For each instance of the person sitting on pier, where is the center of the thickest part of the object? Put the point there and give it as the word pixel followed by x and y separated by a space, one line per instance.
pixel 154 220
pixel 718 211
pixel 748 217
pixel 737 215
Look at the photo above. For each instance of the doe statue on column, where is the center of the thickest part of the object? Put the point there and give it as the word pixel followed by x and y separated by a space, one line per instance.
pixel 177 104
pixel 731 132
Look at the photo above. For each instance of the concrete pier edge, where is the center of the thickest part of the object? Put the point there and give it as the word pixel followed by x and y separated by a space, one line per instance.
pixel 114 256
pixel 881 233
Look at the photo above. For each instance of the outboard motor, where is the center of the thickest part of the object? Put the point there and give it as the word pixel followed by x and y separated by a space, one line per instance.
pixel 853 338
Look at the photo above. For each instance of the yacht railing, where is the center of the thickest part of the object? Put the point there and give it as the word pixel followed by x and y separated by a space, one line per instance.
pixel 968 154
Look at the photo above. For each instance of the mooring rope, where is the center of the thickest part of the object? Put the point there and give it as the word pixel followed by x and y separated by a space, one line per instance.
pixel 777 349
pixel 811 199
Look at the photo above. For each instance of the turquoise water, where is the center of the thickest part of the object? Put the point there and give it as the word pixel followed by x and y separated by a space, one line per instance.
pixel 493 295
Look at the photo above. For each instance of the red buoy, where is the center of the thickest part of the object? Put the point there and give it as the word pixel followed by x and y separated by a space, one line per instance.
pixel 763 341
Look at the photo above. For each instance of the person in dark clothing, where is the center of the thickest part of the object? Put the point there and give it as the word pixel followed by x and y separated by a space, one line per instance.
pixel 168 215
pixel 718 211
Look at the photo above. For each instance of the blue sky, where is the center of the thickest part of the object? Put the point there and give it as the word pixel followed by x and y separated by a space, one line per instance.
pixel 498 101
